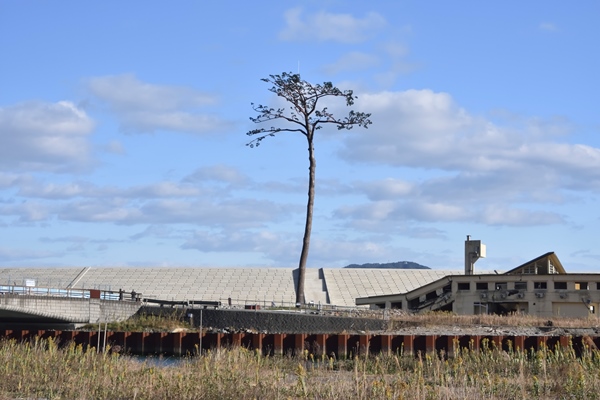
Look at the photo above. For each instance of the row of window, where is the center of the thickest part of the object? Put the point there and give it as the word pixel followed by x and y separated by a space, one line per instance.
pixel 523 285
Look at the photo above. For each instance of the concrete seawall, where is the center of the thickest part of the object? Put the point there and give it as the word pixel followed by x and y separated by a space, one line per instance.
pixel 284 322
pixel 275 321
pixel 31 308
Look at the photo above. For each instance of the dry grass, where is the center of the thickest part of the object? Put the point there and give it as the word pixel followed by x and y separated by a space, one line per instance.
pixel 41 369
pixel 513 320
pixel 168 322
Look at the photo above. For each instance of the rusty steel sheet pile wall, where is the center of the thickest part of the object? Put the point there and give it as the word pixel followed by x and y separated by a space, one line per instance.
pixel 338 345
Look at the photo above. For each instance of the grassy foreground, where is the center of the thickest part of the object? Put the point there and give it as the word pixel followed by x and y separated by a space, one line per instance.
pixel 42 369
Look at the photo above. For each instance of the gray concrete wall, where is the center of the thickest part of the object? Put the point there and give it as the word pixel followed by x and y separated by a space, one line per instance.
pixel 66 309
pixel 276 321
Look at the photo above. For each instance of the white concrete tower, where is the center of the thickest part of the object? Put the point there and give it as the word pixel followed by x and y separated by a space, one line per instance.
pixel 474 250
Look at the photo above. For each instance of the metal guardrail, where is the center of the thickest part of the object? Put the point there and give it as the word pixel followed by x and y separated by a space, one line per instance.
pixel 183 303
pixel 310 307
pixel 68 293
pixel 230 303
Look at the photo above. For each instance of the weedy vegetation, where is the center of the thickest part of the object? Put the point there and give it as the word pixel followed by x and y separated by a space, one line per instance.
pixel 166 322
pixel 440 319
pixel 42 369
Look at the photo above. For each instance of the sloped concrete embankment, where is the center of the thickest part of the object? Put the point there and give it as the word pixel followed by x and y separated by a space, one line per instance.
pixel 278 322
pixel 283 322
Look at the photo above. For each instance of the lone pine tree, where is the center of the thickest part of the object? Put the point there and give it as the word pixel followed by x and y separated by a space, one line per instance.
pixel 304 117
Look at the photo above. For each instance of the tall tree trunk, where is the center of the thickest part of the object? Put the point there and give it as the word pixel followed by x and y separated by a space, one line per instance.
pixel 308 226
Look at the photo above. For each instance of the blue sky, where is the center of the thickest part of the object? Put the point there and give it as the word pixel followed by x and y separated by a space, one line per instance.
pixel 123 133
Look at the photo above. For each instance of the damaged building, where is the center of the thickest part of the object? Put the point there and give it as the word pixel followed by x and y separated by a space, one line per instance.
pixel 539 287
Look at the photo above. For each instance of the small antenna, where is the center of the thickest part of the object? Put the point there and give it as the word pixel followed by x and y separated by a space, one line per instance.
pixel 298 67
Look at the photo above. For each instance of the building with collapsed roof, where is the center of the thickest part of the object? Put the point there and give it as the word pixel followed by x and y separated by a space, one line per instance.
pixel 539 287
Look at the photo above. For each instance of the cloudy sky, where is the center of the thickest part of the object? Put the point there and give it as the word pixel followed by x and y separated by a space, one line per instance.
pixel 122 128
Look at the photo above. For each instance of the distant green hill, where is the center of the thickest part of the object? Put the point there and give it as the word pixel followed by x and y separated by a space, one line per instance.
pixel 394 265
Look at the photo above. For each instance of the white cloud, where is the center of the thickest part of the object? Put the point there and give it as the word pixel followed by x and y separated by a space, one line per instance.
pixel 387 188
pixel 38 136
pixel 395 50
pixel 155 231
pixel 424 129
pixel 12 254
pixel 344 251
pixel 284 248
pixel 225 241
pixel 79 244
pixel 114 147
pixel 164 189
pixel 500 214
pixel 27 211
pixel 395 54
pixel 548 27
pixel 324 26
pixel 241 213
pixel 353 61
pixel 126 92
pixel 374 216
pixel 473 170
pixel 220 173
pixel 8 180
pixel 146 108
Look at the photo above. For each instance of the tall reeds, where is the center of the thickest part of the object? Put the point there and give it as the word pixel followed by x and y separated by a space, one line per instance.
pixel 43 369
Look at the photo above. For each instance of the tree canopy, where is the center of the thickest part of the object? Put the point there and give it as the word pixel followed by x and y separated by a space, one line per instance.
pixel 303 115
